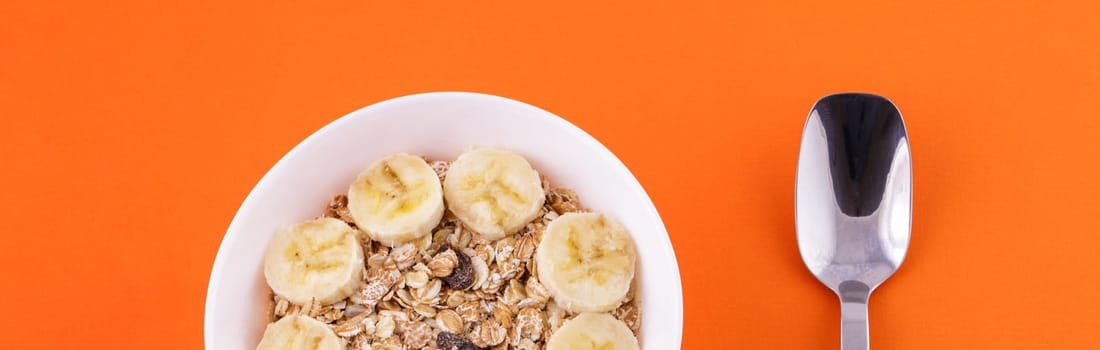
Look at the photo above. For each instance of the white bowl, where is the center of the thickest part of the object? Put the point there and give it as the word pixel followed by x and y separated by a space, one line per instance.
pixel 439 126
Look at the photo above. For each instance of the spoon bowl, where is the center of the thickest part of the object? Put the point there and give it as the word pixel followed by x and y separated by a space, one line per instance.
pixel 853 204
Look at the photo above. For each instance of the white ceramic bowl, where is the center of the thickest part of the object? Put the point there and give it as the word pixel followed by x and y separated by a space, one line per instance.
pixel 439 126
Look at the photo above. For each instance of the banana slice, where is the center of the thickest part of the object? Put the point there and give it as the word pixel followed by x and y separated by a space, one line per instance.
pixel 296 332
pixel 317 259
pixel 586 261
pixel 591 331
pixel 494 192
pixel 397 199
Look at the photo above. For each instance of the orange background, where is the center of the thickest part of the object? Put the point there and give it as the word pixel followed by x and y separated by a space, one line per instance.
pixel 130 131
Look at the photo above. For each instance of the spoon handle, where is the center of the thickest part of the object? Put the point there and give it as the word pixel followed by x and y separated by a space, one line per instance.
pixel 854 334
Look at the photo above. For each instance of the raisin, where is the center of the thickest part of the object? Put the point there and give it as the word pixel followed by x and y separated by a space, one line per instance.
pixel 451 341
pixel 462 277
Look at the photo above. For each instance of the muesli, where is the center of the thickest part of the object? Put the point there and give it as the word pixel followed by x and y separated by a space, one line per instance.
pixel 479 253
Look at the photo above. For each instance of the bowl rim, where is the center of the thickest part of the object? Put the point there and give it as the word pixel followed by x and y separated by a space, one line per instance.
pixel 228 241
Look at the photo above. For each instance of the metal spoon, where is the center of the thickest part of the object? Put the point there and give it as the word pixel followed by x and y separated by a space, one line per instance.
pixel 853 201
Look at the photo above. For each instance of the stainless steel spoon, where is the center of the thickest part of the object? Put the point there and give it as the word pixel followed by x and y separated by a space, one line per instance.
pixel 853 201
